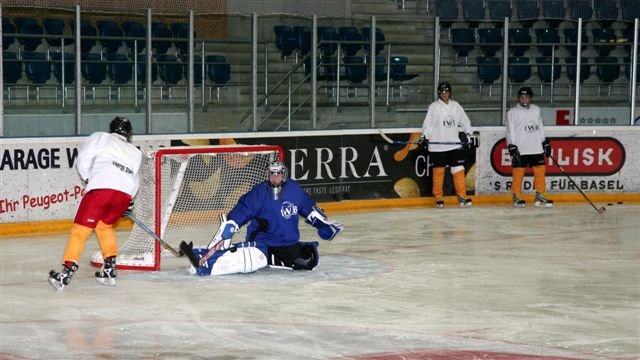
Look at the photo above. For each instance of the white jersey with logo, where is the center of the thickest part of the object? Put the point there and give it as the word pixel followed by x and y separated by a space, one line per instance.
pixel 443 122
pixel 525 130
pixel 109 161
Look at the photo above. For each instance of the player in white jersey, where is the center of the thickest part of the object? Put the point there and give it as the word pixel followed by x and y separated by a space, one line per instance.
pixel 527 146
pixel 444 122
pixel 108 164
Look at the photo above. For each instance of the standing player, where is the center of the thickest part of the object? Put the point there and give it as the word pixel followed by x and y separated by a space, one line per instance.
pixel 444 122
pixel 272 207
pixel 527 146
pixel 108 164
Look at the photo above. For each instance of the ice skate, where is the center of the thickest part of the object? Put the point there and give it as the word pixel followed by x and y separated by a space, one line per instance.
pixel 107 274
pixel 542 201
pixel 518 201
pixel 61 279
pixel 464 202
pixel 439 203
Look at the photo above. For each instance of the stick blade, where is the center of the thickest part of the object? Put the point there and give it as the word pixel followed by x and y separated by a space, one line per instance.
pixel 601 210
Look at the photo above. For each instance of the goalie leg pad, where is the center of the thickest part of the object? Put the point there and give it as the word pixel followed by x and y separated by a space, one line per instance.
pixel 245 257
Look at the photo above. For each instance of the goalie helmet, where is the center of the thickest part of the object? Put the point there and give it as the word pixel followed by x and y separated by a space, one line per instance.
pixel 121 125
pixel 277 167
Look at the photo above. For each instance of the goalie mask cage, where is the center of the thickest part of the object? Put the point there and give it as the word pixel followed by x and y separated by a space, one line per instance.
pixel 183 191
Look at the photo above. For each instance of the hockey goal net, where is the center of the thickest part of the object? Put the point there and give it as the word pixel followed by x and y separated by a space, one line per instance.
pixel 183 191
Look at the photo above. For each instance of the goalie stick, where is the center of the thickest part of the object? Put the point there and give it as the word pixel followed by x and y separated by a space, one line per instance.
pixel 150 232
pixel 216 243
pixel 398 142
pixel 599 210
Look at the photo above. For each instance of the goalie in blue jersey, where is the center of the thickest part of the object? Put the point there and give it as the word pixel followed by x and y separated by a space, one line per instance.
pixel 271 208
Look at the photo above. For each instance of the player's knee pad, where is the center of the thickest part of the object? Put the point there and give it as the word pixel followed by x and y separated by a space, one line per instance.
pixel 457 169
pixel 243 258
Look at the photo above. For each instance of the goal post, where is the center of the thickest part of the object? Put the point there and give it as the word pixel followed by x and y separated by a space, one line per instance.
pixel 183 191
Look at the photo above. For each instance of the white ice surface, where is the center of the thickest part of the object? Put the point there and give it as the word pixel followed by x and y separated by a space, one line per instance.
pixel 561 282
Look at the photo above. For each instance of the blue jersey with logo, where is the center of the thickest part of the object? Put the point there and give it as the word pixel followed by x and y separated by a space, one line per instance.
pixel 274 222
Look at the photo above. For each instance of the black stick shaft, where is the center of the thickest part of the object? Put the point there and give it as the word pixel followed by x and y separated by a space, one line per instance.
pixel 599 210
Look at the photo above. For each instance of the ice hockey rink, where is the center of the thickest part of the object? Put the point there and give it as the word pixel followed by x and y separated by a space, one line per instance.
pixel 489 282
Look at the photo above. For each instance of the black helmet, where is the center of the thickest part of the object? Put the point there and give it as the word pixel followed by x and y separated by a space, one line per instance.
pixel 121 125
pixel 525 90
pixel 444 86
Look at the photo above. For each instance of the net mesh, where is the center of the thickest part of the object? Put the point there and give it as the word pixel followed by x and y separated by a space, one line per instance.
pixel 196 185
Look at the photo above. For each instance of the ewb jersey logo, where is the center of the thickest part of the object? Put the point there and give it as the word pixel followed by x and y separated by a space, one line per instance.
pixel 288 210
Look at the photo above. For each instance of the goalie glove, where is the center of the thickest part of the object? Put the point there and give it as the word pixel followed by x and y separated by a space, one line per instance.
pixel 222 239
pixel 327 229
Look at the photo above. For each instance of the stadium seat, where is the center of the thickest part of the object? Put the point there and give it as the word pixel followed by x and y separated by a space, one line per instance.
pixel 398 71
pixel 607 71
pixel 355 71
pixel 181 34
pixel 553 12
pixel 86 30
pixel 162 38
pixel 380 74
pixel 110 29
pixel 304 38
pixel 135 31
pixel 527 11
pixel 197 67
pixel 627 34
pixel 585 69
pixel 447 11
pixel 8 33
pixel 31 30
pixel 348 35
pixel 492 37
pixel 519 69
pixel 604 36
pixel 328 39
pixel 218 71
pixel 329 66
pixel 571 40
pixel 55 27
pixel 545 73
pixel 22 21
pixel 630 10
pixel 580 9
pixel 142 70
pixel 119 68
pixel 69 67
pixel 488 71
pixel 498 10
pixel 519 41
pixel 93 69
pixel 463 40
pixel 473 12
pixel 170 70
pixel 547 36
pixel 627 70
pixel 286 40
pixel 366 37
pixel 37 69
pixel 12 67
pixel 606 12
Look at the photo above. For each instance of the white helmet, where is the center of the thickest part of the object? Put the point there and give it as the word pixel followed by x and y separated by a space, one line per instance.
pixel 277 167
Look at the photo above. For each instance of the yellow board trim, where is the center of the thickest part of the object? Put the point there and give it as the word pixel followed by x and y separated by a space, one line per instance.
pixel 61 226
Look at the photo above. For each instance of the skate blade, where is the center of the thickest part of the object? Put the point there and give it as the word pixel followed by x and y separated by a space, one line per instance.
pixel 106 281
pixel 56 284
pixel 518 205
pixel 543 205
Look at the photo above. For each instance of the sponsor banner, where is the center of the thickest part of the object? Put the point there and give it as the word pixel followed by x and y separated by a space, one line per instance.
pixel 597 161
pixel 589 116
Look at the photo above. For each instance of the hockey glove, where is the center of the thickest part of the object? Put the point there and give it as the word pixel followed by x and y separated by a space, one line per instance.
pixel 515 154
pixel 423 142
pixel 546 146
pixel 327 229
pixel 222 239
pixel 470 142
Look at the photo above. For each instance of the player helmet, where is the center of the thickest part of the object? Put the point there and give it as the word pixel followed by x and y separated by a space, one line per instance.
pixel 277 167
pixel 121 125
pixel 525 90
pixel 444 86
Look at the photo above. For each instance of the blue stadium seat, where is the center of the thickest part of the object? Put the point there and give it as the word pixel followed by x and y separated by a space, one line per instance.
pixel 498 10
pixel 606 12
pixel 630 10
pixel 355 71
pixel 36 67
pixel 69 67
pixel 119 68
pixel 580 9
pixel 86 30
pixel 169 69
pixel 8 33
pixel 366 37
pixel 304 38
pixel 12 67
pixel 135 31
pixel 347 35
pixel 108 28
pixel 493 38
pixel 32 30
pixel 93 69
pixel 22 21
pixel 627 70
pixel 527 11
pixel 141 68
pixel 447 10
pixel 607 71
pixel 197 67
pixel 585 69
pixel 328 38
pixel 380 74
pixel 473 12
pixel 162 38
pixel 519 69
pixel 463 40
pixel 519 41
pixel 329 66
pixel 398 71
pixel 218 70
pixel 605 40
pixel 181 33
pixel 553 12
pixel 286 40
pixel 488 71
pixel 55 27
pixel 547 36
pixel 545 73
pixel 571 40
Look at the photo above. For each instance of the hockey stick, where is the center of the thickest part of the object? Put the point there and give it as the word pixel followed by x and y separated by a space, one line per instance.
pixel 397 142
pixel 150 232
pixel 216 243
pixel 599 210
